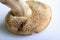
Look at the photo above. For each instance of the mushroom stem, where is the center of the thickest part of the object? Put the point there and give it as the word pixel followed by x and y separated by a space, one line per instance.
pixel 18 9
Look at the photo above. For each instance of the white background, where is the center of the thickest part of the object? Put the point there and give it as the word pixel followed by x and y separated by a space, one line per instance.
pixel 52 32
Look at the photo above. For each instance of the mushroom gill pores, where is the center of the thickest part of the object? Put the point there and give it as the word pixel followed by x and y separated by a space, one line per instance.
pixel 40 18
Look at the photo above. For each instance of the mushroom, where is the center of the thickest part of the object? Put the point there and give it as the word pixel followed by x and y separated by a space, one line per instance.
pixel 32 17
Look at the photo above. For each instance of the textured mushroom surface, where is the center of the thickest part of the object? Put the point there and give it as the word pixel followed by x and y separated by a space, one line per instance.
pixel 22 25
